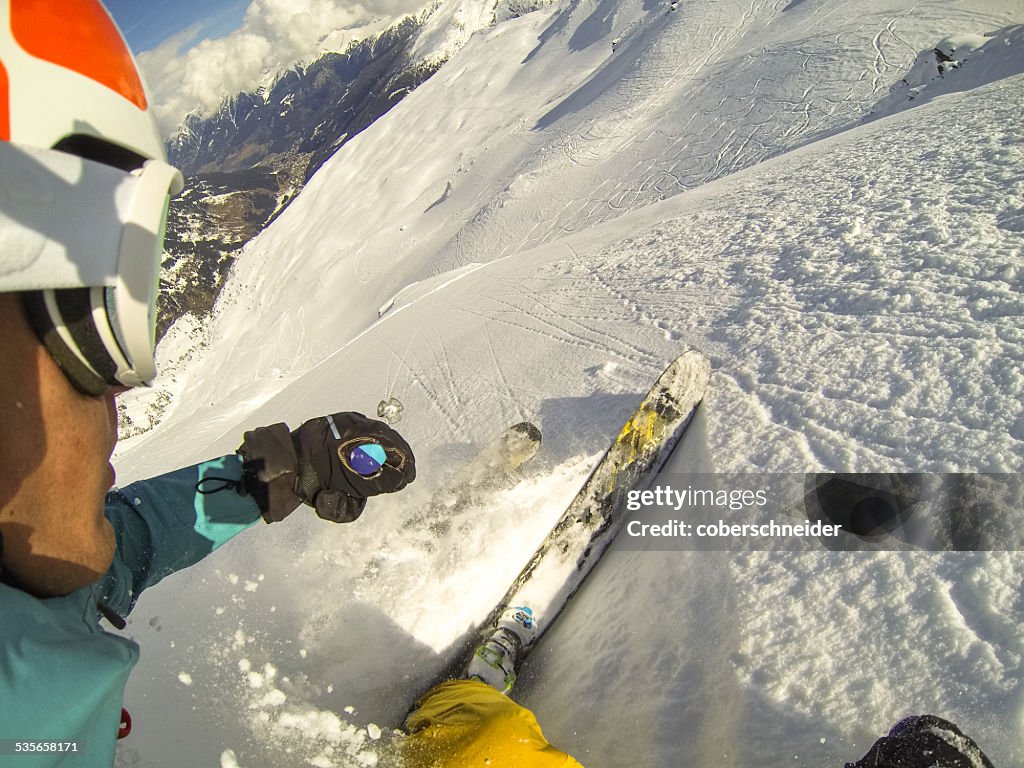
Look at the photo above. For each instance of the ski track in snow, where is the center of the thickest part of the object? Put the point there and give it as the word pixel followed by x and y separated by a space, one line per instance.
pixel 860 297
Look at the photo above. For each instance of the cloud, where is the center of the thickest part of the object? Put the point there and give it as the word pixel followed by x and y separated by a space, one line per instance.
pixel 184 75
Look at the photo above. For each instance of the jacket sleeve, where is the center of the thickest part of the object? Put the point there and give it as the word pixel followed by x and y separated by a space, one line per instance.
pixel 170 522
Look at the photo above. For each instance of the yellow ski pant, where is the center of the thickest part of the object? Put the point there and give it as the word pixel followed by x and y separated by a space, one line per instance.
pixel 468 724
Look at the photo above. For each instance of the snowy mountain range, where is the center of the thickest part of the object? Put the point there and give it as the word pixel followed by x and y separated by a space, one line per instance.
pixel 246 163
pixel 825 198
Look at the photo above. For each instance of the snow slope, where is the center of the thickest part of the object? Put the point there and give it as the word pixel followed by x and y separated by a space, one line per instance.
pixel 856 283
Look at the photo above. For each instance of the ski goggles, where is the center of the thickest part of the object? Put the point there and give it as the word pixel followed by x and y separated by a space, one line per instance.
pixel 83 242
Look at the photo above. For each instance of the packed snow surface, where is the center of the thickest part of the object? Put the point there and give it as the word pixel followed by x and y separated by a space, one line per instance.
pixel 791 188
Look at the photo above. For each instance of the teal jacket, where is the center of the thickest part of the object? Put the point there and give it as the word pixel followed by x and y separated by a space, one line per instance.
pixel 62 675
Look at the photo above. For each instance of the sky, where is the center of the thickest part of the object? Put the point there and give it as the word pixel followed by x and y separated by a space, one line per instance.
pixel 146 25
pixel 194 53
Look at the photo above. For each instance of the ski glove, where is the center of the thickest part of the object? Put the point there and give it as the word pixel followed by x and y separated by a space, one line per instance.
pixel 332 463
pixel 924 741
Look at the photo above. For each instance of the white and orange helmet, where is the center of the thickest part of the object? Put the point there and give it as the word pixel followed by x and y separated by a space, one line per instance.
pixel 84 190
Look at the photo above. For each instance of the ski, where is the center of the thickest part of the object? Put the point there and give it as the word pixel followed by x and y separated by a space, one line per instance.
pixel 597 514
pixel 498 465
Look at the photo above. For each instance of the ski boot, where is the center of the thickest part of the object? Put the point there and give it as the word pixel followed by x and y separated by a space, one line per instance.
pixel 497 660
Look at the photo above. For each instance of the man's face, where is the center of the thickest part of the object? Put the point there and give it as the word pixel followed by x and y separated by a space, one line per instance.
pixel 55 446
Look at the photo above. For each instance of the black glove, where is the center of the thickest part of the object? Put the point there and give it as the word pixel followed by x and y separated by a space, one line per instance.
pixel 924 741
pixel 332 463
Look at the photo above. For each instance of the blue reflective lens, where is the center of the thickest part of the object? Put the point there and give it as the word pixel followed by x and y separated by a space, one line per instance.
pixel 367 459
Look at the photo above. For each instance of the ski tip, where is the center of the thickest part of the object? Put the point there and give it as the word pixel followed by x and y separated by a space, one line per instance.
pixel 692 366
pixel 528 430
pixel 693 357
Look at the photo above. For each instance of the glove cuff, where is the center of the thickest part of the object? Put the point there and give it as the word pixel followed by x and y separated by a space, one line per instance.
pixel 269 466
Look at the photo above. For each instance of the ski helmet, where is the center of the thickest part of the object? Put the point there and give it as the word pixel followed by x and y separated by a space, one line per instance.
pixel 84 190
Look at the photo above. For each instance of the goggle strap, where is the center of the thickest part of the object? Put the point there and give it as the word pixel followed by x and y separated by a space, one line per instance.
pixel 77 308
pixel 42 309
